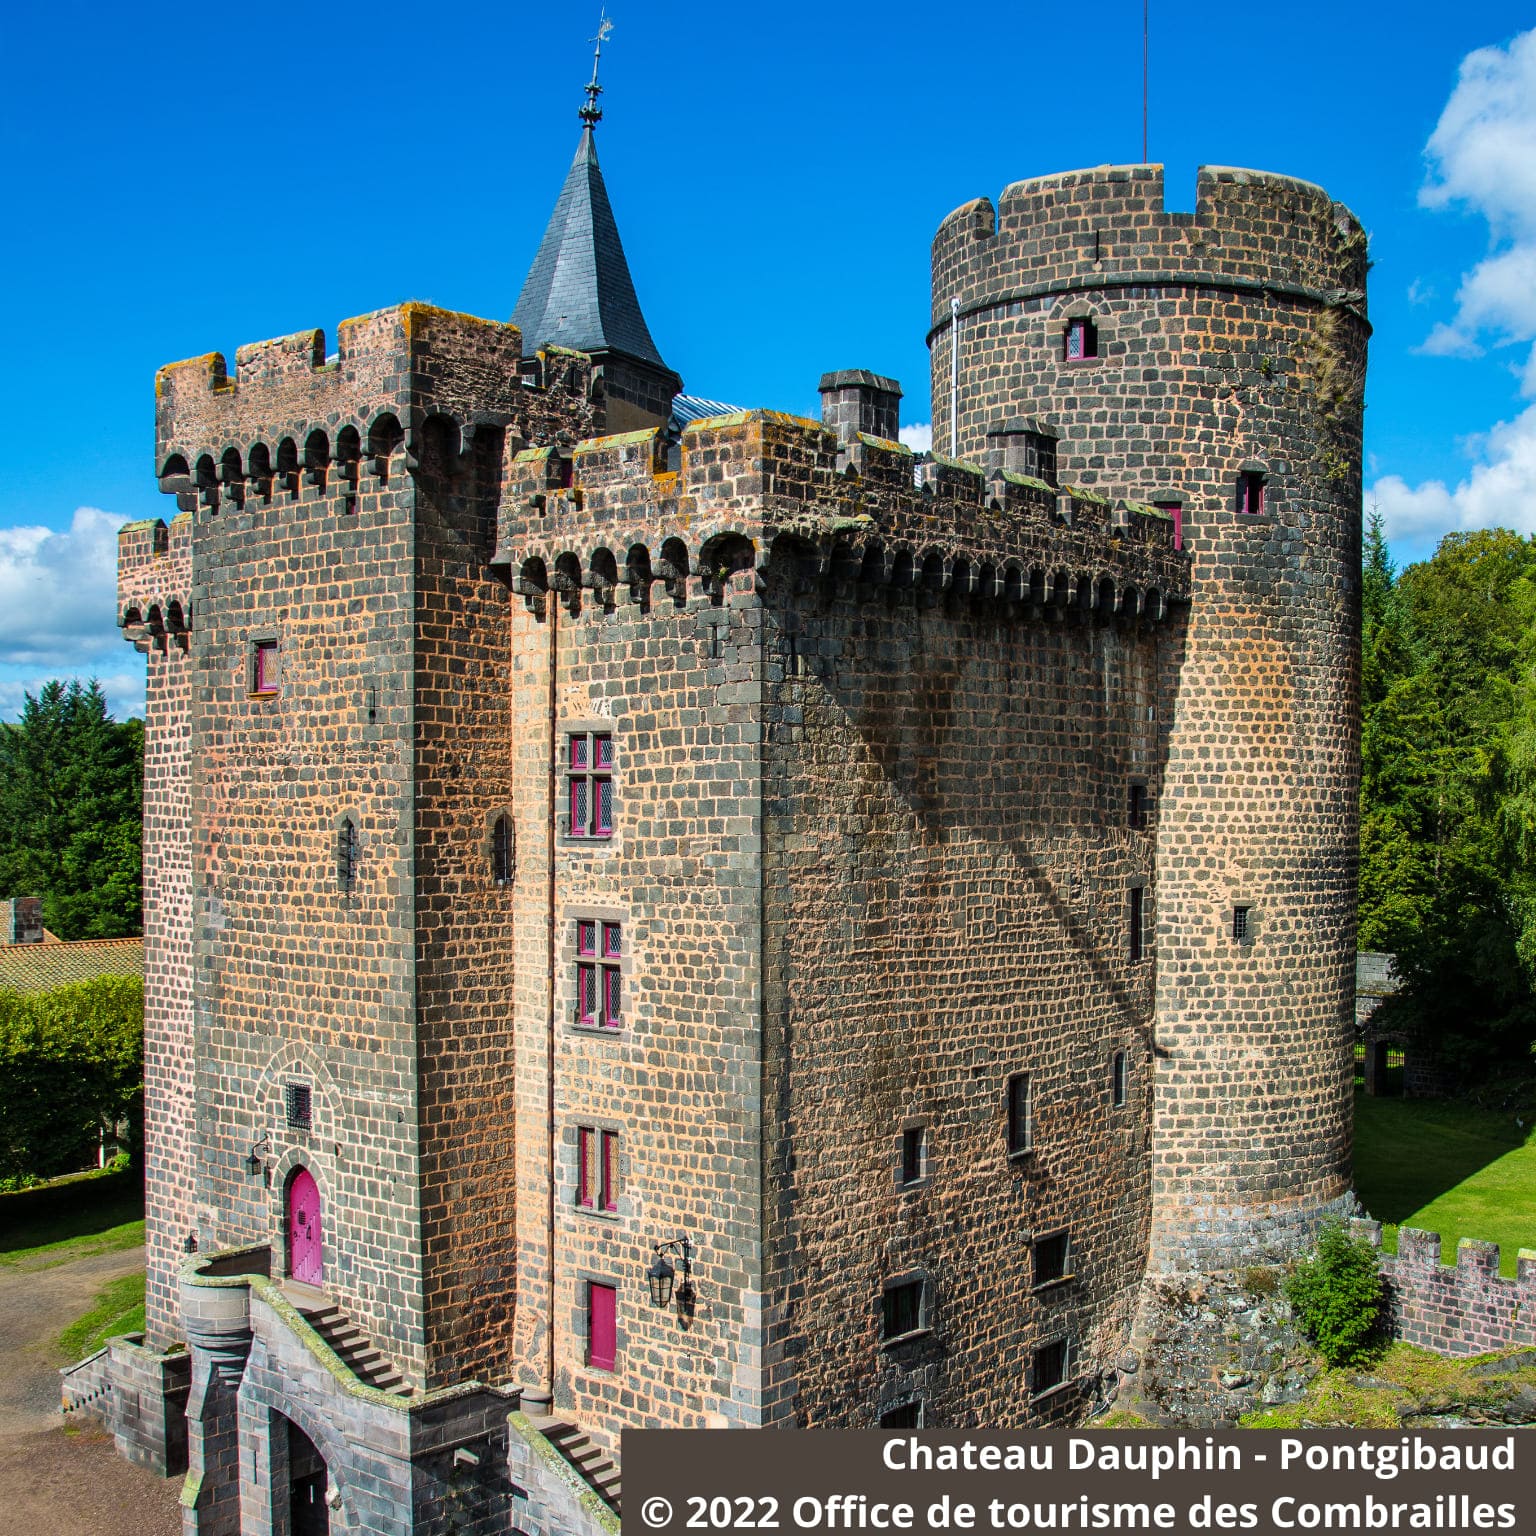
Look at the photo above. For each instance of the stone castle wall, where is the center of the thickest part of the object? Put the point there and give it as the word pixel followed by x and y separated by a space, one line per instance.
pixel 154 608
pixel 1229 340
pixel 345 511
pixel 885 828
pixel 1467 1308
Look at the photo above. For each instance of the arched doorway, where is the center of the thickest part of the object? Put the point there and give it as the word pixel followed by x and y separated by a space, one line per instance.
pixel 302 1201
pixel 308 1513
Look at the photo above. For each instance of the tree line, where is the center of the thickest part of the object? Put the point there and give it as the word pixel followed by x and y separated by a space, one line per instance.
pixel 71 812
pixel 1448 791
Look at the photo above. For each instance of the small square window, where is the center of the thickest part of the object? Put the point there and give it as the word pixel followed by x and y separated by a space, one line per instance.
pixel 1049 1366
pixel 589 784
pixel 1136 807
pixel 1119 1072
pixel 264 667
pixel 296 1105
pixel 1250 492
pixel 1081 341
pixel 1021 1129
pixel 903 1309
pixel 1053 1254
pixel 597 1169
pixel 1241 924
pixel 914 1153
pixel 903 1416
pixel 1136 924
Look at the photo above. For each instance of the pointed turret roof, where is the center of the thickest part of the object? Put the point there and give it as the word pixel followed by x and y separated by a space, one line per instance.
pixel 579 293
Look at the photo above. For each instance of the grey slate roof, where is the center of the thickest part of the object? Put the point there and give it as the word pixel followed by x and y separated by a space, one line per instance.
pixel 578 292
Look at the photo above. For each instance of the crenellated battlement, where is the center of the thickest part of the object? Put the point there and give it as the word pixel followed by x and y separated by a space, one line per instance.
pixel 1106 229
pixel 293 415
pixel 154 581
pixel 759 489
pixel 1467 1308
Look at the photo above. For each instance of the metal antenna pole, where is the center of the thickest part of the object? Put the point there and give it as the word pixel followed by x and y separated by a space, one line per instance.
pixel 592 114
pixel 1144 5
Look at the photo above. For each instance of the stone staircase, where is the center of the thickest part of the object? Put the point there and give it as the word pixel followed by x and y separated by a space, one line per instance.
pixel 596 1466
pixel 355 1349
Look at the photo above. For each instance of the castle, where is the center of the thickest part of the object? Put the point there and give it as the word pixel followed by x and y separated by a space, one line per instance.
pixel 717 922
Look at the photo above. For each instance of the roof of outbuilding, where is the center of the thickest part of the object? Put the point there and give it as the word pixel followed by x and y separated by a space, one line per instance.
pixel 578 292
pixel 42 967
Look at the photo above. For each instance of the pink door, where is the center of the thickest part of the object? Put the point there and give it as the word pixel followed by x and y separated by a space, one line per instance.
pixel 602 1326
pixel 304 1258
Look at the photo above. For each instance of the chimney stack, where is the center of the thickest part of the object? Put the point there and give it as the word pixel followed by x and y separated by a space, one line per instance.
pixel 23 920
pixel 854 400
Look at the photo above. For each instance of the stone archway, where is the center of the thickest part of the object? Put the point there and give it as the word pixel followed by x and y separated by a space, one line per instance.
pixel 309 1513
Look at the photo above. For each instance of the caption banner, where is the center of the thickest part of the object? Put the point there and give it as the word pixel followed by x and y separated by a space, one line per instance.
pixel 681 1481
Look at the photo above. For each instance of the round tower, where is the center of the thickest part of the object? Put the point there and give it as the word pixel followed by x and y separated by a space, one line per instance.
pixel 1212 362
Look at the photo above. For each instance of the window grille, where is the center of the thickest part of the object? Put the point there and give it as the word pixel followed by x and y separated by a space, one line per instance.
pixel 1081 342
pixel 264 667
pixel 597 1169
pixel 501 851
pixel 346 854
pixel 296 1104
pixel 1240 925
pixel 589 784
pixel 599 960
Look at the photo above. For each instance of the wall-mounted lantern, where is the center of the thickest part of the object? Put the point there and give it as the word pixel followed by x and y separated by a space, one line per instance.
pixel 256 1159
pixel 661 1275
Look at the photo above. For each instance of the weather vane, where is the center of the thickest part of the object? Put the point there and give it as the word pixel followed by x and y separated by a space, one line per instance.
pixel 592 114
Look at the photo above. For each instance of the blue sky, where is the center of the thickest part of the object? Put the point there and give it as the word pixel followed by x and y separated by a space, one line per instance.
pixel 182 179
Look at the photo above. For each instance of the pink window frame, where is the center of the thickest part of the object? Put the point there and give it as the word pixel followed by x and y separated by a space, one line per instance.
pixel 589 766
pixel 597 1169
pixel 1088 335
pixel 1250 492
pixel 1175 510
pixel 264 667
pixel 599 973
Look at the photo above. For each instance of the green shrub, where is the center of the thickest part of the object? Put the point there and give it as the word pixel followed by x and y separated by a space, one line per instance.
pixel 71 1063
pixel 1338 1298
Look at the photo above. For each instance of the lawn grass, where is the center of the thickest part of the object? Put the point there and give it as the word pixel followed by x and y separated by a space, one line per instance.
pixel 71 1218
pixel 118 1308
pixel 1449 1168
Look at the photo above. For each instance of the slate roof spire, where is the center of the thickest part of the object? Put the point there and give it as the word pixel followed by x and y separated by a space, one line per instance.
pixel 578 292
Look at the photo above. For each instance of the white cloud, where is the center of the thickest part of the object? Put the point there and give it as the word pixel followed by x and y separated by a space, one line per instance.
pixel 1498 491
pixel 58 591
pixel 1482 158
pixel 918 437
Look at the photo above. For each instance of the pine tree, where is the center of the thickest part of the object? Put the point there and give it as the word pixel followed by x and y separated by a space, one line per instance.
pixel 71 781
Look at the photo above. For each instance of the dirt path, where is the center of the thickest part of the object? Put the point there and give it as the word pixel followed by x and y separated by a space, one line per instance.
pixel 36 1305
pixel 53 1481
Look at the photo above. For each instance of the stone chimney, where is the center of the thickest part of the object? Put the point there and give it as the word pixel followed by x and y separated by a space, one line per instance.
pixel 855 400
pixel 23 920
